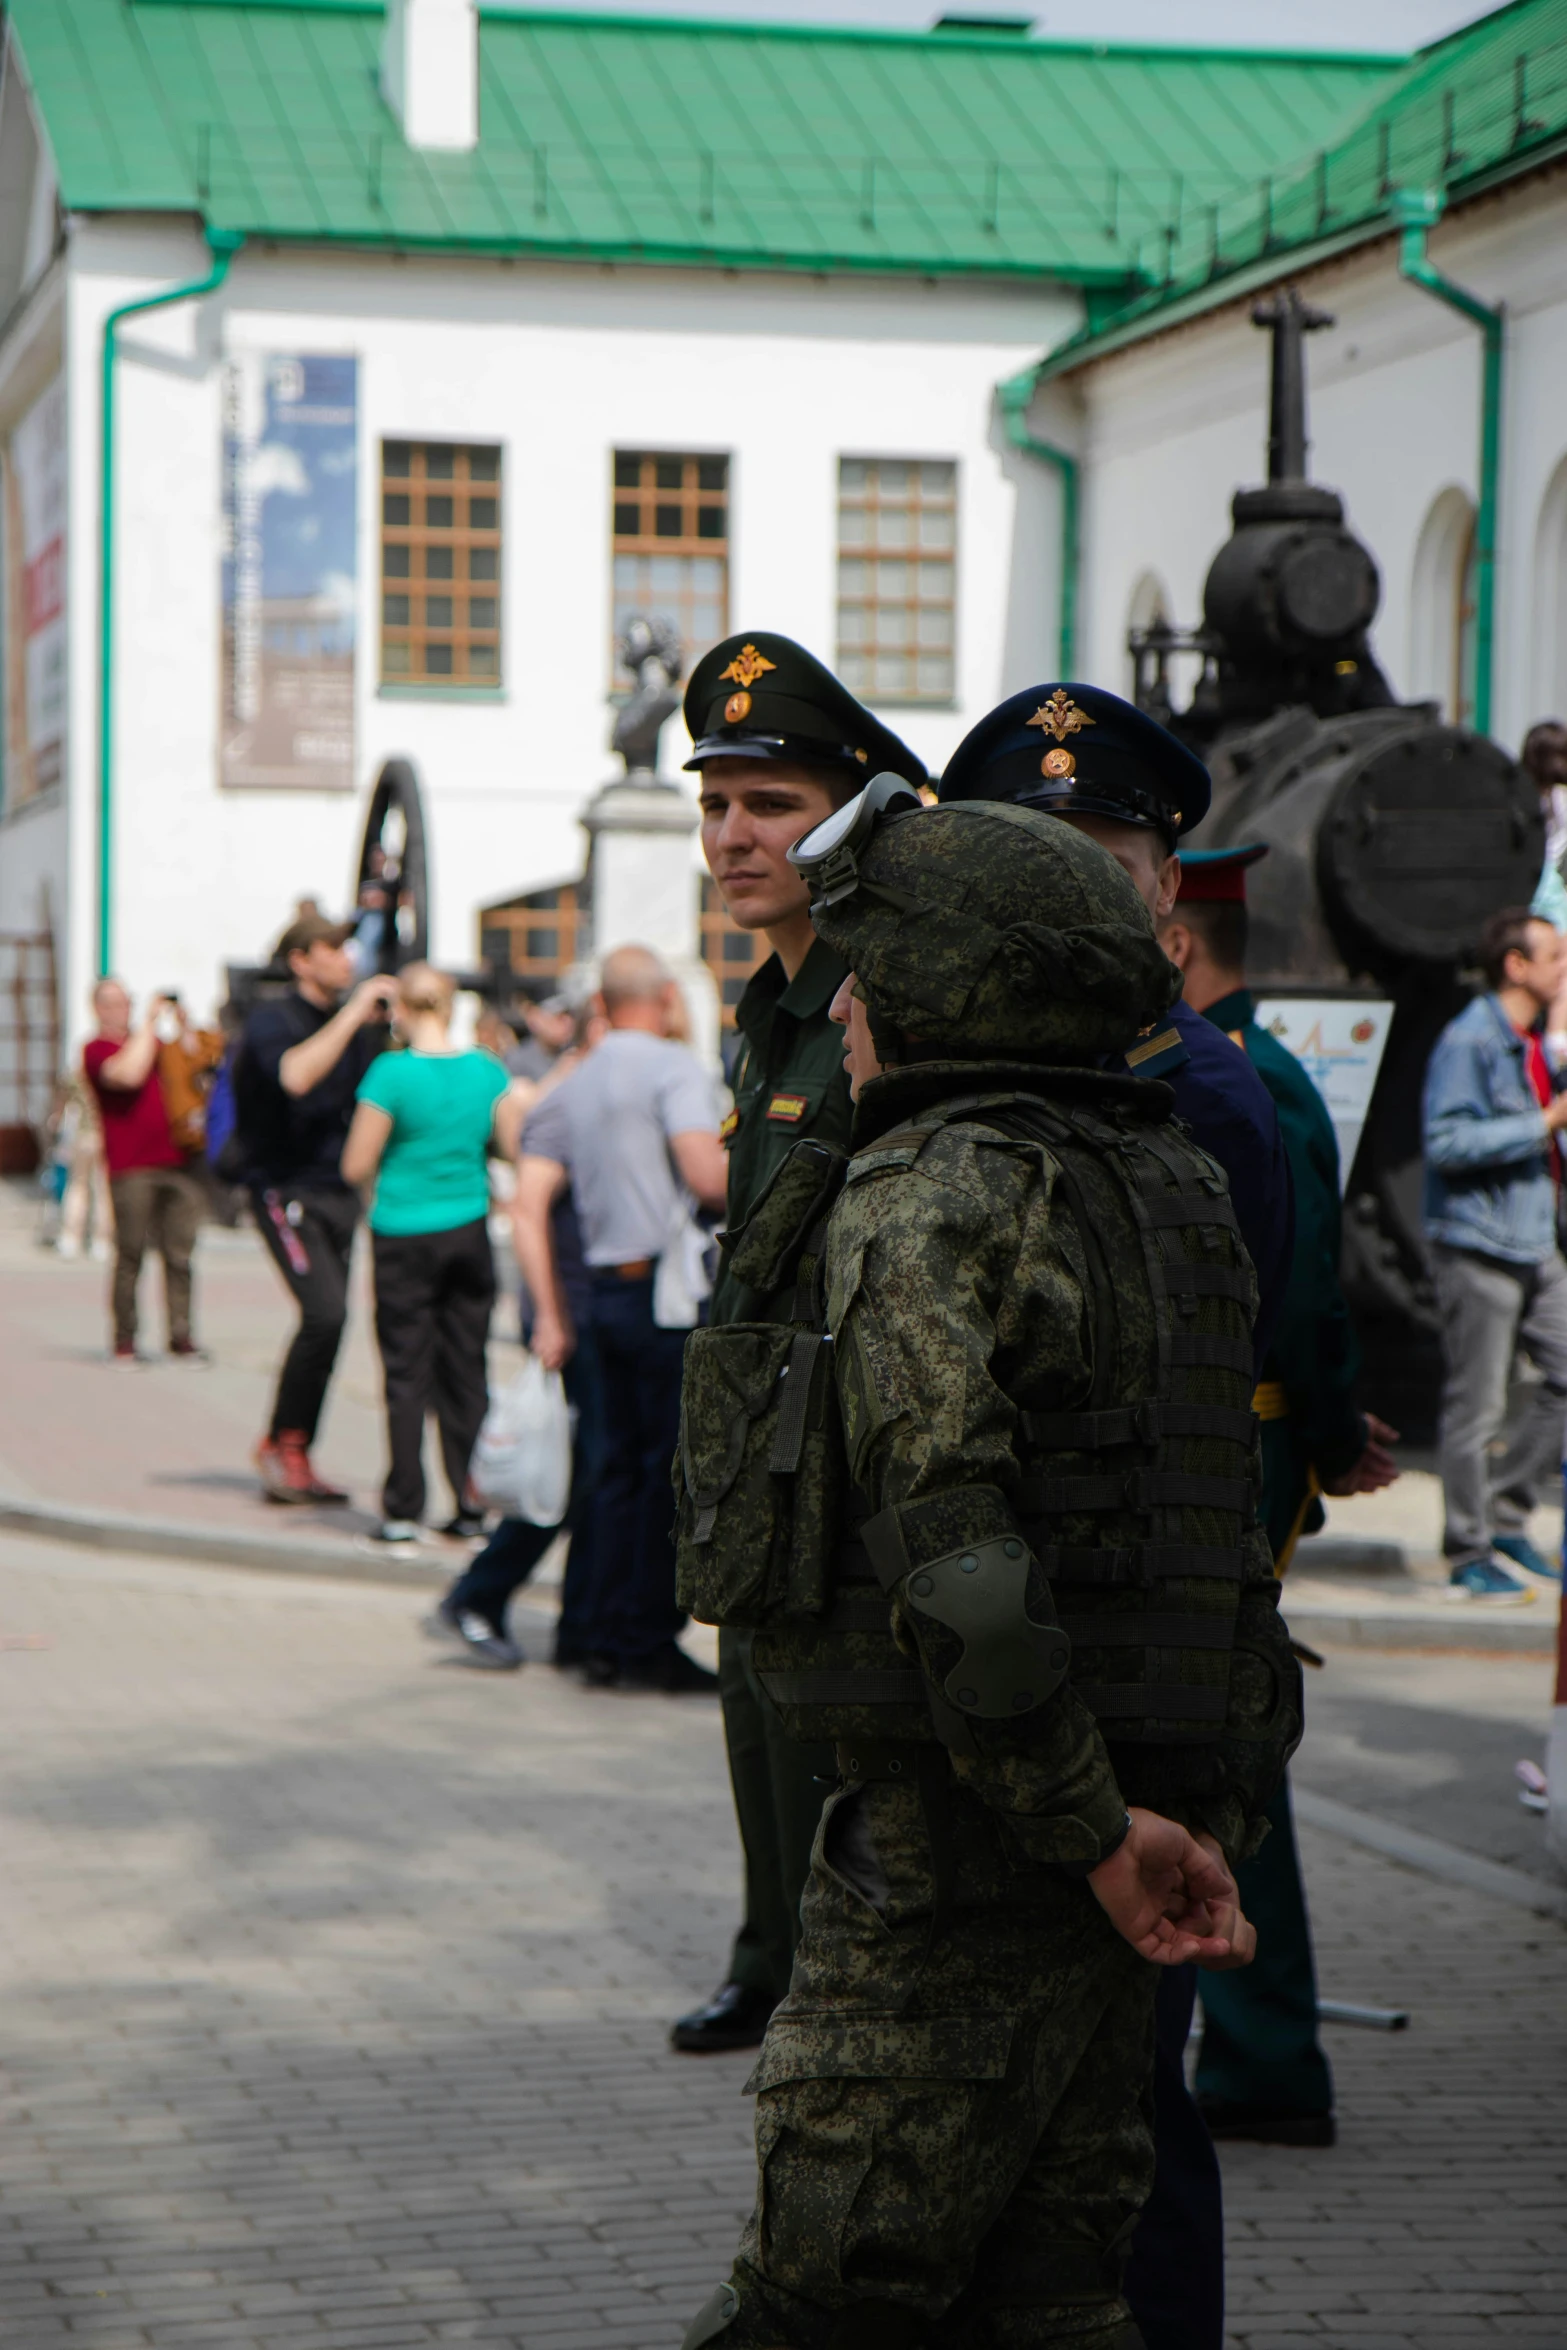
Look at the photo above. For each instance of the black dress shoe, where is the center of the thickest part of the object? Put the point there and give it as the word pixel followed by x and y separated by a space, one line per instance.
pixel 596 1672
pixel 1225 2119
pixel 669 1670
pixel 733 2018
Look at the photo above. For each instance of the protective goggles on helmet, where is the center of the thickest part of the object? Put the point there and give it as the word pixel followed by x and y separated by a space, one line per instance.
pixel 827 857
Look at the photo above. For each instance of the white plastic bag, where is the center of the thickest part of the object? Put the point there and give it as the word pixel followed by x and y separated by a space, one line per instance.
pixel 683 1279
pixel 522 1461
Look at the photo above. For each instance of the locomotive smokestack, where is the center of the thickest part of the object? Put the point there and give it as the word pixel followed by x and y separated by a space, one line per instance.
pixel 1291 594
pixel 1289 318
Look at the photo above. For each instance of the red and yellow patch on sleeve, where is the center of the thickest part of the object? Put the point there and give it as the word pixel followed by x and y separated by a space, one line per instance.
pixel 787 1109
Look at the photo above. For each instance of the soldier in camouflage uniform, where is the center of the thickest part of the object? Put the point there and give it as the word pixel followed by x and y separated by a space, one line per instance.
pixel 1045 1639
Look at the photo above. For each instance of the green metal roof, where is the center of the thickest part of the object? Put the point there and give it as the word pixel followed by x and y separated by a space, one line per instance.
pixel 636 138
pixel 1483 106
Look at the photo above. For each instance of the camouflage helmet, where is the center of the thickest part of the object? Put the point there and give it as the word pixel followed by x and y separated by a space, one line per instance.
pixel 985 931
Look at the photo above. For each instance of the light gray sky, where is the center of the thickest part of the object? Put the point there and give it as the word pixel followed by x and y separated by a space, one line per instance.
pixel 1238 24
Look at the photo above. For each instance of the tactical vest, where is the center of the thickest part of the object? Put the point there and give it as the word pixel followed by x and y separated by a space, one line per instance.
pixel 1138 1508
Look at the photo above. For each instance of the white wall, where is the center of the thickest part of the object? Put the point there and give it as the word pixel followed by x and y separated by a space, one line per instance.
pixel 561 366
pixel 1172 427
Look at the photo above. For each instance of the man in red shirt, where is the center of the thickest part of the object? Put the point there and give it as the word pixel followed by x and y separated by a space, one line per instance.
pixel 158 1201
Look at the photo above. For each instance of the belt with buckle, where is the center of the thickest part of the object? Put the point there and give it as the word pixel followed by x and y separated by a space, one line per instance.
pixel 637 1269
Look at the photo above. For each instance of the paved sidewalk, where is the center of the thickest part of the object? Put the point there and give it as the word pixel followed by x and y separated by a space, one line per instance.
pixel 334 1981
pixel 160 1455
pixel 170 1441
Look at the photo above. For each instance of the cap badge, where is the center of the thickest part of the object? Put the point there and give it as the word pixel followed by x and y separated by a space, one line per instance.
pixel 1060 716
pixel 737 707
pixel 747 666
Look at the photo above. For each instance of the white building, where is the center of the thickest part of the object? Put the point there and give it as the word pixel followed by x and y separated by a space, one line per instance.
pixel 599 316
pixel 475 331
pixel 1166 403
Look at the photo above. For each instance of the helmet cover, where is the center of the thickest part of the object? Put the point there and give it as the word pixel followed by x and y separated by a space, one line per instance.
pixel 985 931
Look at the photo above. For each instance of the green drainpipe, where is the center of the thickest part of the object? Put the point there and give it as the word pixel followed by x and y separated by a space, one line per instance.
pixel 223 246
pixel 1417 211
pixel 1015 395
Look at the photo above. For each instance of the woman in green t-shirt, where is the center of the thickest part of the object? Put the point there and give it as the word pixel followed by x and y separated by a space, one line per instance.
pixel 420 1134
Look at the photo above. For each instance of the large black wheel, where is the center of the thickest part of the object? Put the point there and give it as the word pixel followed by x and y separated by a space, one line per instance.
pixel 393 858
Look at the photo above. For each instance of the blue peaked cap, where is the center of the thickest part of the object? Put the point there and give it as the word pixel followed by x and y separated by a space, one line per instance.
pixel 1076 750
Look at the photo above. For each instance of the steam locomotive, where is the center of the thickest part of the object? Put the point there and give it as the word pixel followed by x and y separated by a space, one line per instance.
pixel 1392 837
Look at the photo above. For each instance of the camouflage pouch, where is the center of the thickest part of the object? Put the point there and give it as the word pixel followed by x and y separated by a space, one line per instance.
pixel 761 1477
pixel 766 1251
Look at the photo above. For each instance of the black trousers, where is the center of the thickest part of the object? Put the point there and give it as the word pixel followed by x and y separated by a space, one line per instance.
pixel 1175 2278
pixel 311 1237
pixel 433 1296
pixel 634 1520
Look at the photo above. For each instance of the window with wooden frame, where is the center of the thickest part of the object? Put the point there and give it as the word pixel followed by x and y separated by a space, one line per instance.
pixel 539 935
pixel 671 549
pixel 897 578
pixel 729 952
pixel 440 564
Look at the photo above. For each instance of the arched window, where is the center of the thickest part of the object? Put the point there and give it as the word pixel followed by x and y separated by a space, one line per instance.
pixel 1442 608
pixel 1548 668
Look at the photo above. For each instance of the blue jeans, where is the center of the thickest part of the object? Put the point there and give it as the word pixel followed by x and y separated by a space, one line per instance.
pixel 516 1546
pixel 634 1523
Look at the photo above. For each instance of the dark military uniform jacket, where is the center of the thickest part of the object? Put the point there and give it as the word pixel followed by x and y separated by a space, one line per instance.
pixel 1230 1114
pixel 789 1082
pixel 1311 1421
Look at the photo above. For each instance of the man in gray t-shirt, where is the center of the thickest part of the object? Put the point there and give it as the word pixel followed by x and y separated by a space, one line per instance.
pixel 633 1129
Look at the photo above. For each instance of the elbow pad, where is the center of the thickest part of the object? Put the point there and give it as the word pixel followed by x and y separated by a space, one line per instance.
pixel 1010 1663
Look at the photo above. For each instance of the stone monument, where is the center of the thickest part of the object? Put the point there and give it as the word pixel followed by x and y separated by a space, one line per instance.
pixel 642 876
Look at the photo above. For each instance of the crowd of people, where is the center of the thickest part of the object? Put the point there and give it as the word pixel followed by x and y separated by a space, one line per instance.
pixel 985 1011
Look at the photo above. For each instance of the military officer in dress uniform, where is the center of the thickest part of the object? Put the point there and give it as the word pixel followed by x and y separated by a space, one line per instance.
pixel 1263 2073
pixel 779 743
pixel 1115 774
pixel 1112 772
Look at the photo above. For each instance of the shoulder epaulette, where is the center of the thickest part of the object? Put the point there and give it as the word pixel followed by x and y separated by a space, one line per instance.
pixel 1159 1054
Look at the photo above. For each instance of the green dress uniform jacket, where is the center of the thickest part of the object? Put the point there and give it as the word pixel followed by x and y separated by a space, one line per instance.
pixel 789 1082
pixel 1312 1427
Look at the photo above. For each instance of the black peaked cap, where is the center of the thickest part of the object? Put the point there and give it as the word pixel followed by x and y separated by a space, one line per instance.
pixel 759 696
pixel 1077 750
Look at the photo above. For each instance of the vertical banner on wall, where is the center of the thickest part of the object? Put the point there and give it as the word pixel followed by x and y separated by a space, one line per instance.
pixel 34 599
pixel 290 565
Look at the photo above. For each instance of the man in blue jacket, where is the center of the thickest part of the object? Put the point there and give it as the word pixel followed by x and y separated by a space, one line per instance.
pixel 1493 1110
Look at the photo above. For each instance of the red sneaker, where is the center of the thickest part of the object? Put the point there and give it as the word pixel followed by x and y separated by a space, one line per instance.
pixel 286 1474
pixel 303 1483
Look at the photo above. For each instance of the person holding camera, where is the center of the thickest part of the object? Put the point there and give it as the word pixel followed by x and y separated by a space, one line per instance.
pixel 158 1198
pixel 296 1074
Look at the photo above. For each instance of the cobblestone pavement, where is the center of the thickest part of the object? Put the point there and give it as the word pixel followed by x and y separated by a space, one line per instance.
pixel 335 1981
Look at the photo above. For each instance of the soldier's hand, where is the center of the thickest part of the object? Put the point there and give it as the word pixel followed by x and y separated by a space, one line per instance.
pixel 1228 1919
pixel 1163 1893
pixel 1376 1466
